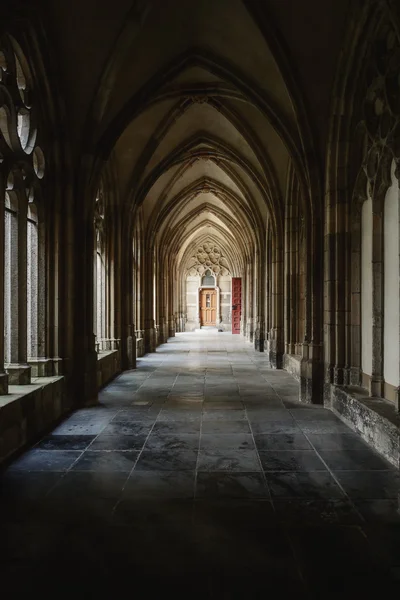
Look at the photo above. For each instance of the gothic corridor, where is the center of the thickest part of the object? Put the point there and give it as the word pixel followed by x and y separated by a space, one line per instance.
pixel 200 297
pixel 203 469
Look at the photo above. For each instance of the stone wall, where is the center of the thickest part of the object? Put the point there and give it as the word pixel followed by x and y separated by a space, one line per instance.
pixel 375 419
pixel 28 411
pixel 108 365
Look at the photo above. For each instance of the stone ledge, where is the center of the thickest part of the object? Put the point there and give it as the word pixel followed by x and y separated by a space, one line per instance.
pixel 292 364
pixel 375 419
pixel 108 365
pixel 28 411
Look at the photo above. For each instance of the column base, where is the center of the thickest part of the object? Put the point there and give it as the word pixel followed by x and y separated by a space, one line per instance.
pixel 149 340
pixel 57 363
pixel 375 387
pixel 130 359
pixel 3 384
pixel 18 374
pixel 41 367
pixel 259 336
pixel 311 381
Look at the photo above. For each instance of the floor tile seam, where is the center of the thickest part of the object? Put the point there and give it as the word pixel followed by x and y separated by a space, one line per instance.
pixel 332 474
pixel 66 471
pixel 272 386
pixel 198 456
pixel 138 457
pixel 296 557
pixel 173 385
pixel 259 461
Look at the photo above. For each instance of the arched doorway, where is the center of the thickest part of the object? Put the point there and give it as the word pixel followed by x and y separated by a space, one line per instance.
pixel 208 307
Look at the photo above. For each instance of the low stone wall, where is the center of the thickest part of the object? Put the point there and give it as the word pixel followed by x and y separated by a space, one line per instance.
pixel 374 419
pixel 292 364
pixel 28 411
pixel 108 365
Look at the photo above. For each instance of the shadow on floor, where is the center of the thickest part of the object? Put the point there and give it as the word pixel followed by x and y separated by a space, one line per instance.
pixel 200 475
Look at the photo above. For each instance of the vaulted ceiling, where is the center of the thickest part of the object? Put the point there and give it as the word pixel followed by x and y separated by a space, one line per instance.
pixel 201 105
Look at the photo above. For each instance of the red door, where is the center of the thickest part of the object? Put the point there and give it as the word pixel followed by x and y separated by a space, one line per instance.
pixel 236 303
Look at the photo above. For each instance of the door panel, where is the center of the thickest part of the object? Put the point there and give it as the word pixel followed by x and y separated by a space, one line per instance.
pixel 208 307
pixel 236 303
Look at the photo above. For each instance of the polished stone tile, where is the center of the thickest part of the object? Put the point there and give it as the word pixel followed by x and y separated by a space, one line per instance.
pixel 291 460
pixel 118 442
pixel 303 512
pixel 226 441
pixel 379 511
pixel 163 460
pixel 370 485
pixel 132 417
pixel 77 428
pixel 22 491
pixel 181 441
pixel 281 441
pixel 160 525
pixel 103 460
pixel 321 427
pixel 314 414
pixel 346 551
pixel 160 484
pixel 45 460
pixel 209 401
pixel 99 483
pixel 228 460
pixel 229 426
pixel 311 484
pixel 168 415
pixel 211 405
pixel 258 405
pixel 273 427
pixel 260 415
pixel 337 441
pixel 354 460
pixel 223 415
pixel 120 517
pixel 176 427
pixel 231 485
pixel 65 442
pixel 142 428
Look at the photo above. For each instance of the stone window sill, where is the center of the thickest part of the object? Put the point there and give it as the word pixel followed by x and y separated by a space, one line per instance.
pixel 104 353
pixel 374 418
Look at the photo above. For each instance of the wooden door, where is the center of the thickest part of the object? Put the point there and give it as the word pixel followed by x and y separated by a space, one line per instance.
pixel 208 307
pixel 236 303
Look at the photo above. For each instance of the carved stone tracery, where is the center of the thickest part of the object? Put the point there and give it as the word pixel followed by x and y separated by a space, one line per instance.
pixel 381 121
pixel 208 257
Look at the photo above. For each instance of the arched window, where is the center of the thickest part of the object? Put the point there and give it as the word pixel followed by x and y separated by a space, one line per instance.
pixel 100 274
pixel 11 279
pixel 32 272
pixel 366 287
pixel 24 285
pixel 208 278
pixel 391 338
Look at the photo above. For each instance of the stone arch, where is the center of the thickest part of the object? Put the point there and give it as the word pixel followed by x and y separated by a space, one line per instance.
pixel 359 172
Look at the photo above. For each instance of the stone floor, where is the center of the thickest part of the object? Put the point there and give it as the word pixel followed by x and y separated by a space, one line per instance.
pixel 200 475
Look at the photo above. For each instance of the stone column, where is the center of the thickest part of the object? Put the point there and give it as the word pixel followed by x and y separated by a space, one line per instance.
pixel 259 334
pixel 19 372
pixel 3 374
pixel 149 330
pixel 376 381
pixel 276 334
pixel 127 291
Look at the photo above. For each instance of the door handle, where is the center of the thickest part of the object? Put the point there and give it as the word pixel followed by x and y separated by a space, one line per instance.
pixel 234 306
